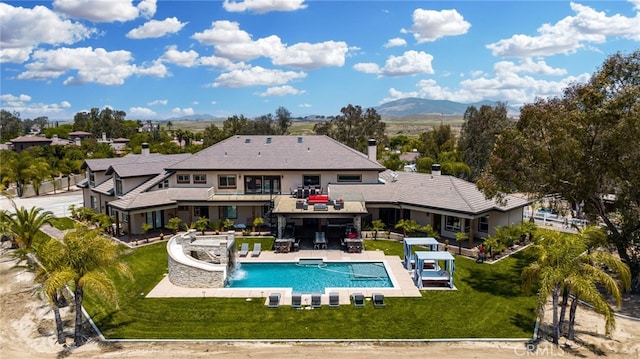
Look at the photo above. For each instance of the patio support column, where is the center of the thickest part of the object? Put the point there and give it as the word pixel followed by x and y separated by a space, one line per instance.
pixel 471 221
pixel 282 222
pixel 357 223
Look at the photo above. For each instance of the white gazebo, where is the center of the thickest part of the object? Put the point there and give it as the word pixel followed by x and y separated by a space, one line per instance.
pixel 433 274
pixel 429 242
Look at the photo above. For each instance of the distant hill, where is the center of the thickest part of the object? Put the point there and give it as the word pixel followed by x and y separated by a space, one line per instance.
pixel 197 117
pixel 420 106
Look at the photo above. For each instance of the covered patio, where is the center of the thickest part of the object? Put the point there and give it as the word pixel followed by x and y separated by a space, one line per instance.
pixel 435 274
pixel 430 243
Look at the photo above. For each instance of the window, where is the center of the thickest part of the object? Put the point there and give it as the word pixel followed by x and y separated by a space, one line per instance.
pixel 92 179
pixel 94 203
pixel 349 178
pixel 164 184
pixel 118 186
pixel 230 212
pixel 184 179
pixel 227 181
pixel 252 184
pixel 311 180
pixel 125 217
pixel 483 224
pixel 453 224
pixel 199 178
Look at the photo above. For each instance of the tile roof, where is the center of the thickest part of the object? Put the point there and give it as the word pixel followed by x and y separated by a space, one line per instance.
pixel 105 187
pixel 443 192
pixel 31 139
pixel 140 198
pixel 278 153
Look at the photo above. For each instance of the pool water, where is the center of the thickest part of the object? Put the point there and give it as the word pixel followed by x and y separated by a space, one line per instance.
pixel 311 278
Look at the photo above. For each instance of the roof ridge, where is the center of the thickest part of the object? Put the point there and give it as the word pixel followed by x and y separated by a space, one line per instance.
pixel 455 187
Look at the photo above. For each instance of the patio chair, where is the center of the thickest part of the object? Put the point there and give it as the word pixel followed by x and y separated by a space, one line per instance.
pixel 296 301
pixel 274 300
pixel 334 299
pixel 257 248
pixel 316 301
pixel 244 250
pixel 358 300
pixel 378 300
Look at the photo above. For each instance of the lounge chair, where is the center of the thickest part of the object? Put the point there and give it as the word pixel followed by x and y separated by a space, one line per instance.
pixel 274 300
pixel 257 248
pixel 296 301
pixel 334 299
pixel 316 301
pixel 378 300
pixel 244 250
pixel 358 299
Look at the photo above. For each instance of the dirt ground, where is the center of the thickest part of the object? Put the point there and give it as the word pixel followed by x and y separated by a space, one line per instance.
pixel 28 331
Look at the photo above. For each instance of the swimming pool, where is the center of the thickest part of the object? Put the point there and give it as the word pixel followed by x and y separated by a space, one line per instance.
pixel 310 276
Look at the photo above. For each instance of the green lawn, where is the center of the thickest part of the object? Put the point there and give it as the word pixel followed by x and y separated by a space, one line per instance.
pixel 489 303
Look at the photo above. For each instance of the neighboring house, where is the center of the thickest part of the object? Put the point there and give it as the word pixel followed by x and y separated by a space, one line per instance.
pixel 244 177
pixel 21 143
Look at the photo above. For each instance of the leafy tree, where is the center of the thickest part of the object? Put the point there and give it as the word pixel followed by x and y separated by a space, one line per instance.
pixel 392 162
pixel 11 125
pixel 257 222
pixel 212 135
pixel 16 169
pixel 235 125
pixel 39 170
pixel 283 121
pixel 439 146
pixel 582 146
pixel 227 224
pixel 478 135
pixel 82 259
pixel 354 127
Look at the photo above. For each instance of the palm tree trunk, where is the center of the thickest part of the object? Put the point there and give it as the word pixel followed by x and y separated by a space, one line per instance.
pixel 77 336
pixel 56 314
pixel 556 328
pixel 563 310
pixel 572 318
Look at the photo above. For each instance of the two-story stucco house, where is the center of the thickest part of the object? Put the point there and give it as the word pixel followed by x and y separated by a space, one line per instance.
pixel 280 178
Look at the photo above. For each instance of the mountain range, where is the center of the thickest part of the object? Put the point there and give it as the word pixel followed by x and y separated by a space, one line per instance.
pixel 403 107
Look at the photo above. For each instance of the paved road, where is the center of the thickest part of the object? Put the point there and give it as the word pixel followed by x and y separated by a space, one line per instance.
pixel 56 203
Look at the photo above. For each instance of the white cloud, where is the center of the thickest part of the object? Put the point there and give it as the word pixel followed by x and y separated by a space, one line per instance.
pixel 311 56
pixel 430 25
pixel 281 91
pixel 155 28
pixel 410 63
pixel 183 111
pixel 528 66
pixel 256 76
pixel 504 86
pixel 221 62
pixel 395 42
pixel 230 42
pixel 105 11
pixel 22 104
pixel 141 112
pixel 263 6
pixel 304 105
pixel 180 58
pixel 158 102
pixel 99 66
pixel 570 34
pixel 367 67
pixel 24 29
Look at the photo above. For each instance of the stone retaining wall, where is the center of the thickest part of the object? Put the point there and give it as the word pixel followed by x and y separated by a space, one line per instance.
pixel 207 260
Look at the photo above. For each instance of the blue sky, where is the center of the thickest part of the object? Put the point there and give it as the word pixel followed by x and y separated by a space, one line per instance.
pixel 157 59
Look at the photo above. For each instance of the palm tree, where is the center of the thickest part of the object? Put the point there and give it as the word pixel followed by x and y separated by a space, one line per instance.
pixel 407 226
pixel 548 272
pixel 24 224
pixel 82 259
pixel 377 226
pixel 587 273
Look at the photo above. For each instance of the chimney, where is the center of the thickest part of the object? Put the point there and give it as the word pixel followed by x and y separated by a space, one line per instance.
pixel 145 149
pixel 435 169
pixel 372 150
pixel 78 141
pixel 104 137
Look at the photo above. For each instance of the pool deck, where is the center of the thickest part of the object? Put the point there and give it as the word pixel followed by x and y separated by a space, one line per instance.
pixel 400 277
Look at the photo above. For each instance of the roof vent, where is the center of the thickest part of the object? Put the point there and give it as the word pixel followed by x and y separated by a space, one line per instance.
pixel 247 140
pixel 268 140
pixel 299 139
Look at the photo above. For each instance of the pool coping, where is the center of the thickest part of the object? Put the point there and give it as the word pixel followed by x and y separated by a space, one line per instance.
pixel 399 276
